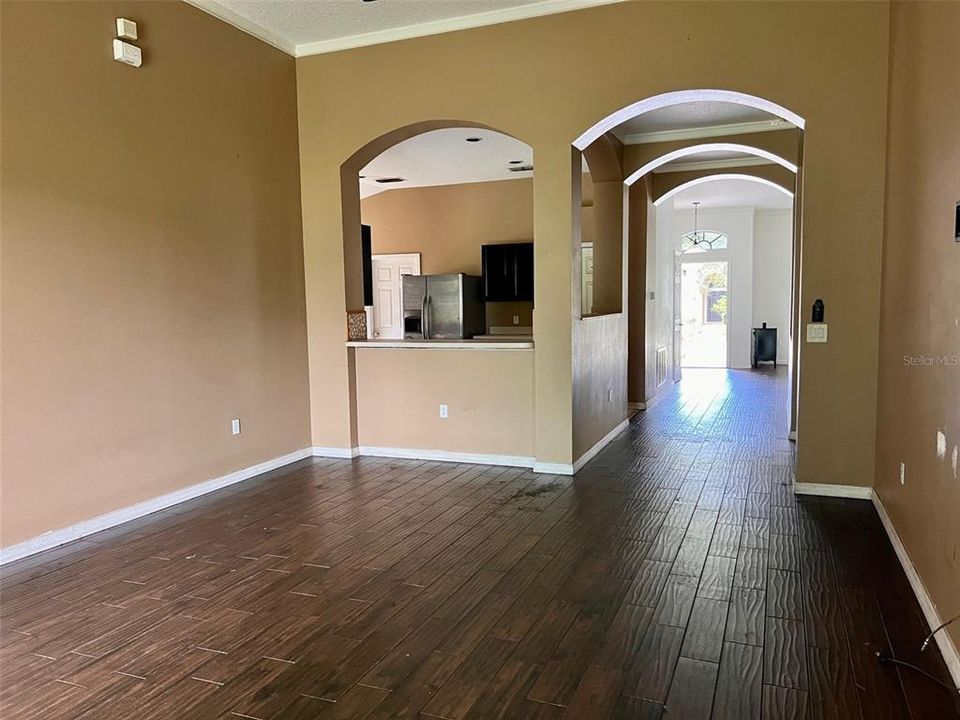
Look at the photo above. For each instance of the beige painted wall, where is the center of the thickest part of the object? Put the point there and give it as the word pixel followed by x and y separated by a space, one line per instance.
pixel 641 224
pixel 553 77
pixel 921 298
pixel 489 395
pixel 152 279
pixel 447 225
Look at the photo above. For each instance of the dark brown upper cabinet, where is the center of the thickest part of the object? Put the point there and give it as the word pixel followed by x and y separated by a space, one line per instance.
pixel 508 272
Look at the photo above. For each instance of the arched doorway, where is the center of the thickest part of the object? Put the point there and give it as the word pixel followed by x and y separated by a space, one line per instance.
pixel 669 141
pixel 424 209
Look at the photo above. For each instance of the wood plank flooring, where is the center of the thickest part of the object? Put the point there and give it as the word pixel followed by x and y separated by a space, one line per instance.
pixel 676 576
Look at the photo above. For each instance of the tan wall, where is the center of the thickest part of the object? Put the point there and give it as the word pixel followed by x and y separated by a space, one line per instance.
pixel 152 261
pixel 640 225
pixel 489 394
pixel 447 225
pixel 600 382
pixel 830 77
pixel 921 298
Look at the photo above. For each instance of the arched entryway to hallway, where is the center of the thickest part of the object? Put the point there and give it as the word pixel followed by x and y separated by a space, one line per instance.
pixel 664 143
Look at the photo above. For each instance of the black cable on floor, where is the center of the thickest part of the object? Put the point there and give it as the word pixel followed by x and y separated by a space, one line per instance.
pixel 886 658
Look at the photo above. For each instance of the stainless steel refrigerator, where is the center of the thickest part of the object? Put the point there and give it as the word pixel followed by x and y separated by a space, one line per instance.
pixel 443 307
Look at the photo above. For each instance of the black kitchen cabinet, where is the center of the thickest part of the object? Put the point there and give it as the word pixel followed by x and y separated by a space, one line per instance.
pixel 508 272
pixel 366 250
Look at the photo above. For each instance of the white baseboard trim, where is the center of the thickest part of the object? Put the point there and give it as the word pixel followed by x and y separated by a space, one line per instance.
pixel 842 491
pixel 947 649
pixel 447 456
pixel 601 444
pixel 55 538
pixel 334 452
pixel 553 468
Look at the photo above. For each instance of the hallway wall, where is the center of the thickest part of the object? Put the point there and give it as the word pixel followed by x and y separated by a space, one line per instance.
pixel 772 257
pixel 919 395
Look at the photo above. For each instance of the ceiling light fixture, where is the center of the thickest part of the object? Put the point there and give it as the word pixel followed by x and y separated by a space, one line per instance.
pixel 516 162
pixel 474 139
pixel 705 238
pixel 388 180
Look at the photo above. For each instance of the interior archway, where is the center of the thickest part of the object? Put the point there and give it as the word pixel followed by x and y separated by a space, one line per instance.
pixel 722 176
pixel 662 147
pixel 708 147
pixel 657 102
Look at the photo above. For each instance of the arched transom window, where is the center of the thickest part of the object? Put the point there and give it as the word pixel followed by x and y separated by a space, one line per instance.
pixel 702 241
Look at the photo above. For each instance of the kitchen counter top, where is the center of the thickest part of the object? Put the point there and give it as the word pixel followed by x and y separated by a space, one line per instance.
pixel 475 344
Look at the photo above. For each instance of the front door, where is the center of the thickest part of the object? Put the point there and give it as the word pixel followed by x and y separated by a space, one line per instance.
pixel 388 292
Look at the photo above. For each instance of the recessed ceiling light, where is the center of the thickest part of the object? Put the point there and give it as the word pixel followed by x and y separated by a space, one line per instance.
pixel 363 177
pixel 474 139
pixel 516 162
pixel 387 180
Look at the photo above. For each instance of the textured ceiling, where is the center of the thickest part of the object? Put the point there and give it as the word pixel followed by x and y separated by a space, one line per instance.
pixel 305 27
pixel 730 193
pixel 712 156
pixel 444 157
pixel 692 116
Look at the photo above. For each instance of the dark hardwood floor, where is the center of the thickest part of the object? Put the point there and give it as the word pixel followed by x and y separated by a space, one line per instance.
pixel 676 576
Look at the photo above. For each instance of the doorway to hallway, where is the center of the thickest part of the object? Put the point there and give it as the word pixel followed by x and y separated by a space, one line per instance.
pixel 703 310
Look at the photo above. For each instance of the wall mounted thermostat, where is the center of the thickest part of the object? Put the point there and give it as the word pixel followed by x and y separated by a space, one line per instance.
pixel 126 29
pixel 126 53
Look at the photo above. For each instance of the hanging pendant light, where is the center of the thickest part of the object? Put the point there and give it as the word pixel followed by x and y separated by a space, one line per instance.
pixel 700 239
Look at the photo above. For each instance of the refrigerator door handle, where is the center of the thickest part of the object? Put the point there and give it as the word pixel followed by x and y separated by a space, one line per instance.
pixel 424 317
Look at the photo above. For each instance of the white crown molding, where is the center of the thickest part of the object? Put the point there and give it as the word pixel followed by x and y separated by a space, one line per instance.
pixel 743 128
pixel 600 445
pixel 948 650
pixel 714 164
pixel 434 27
pixel 55 538
pixel 241 23
pixel 856 492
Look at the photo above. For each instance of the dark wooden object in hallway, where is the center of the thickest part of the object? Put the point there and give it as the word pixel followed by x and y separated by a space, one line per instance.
pixel 676 576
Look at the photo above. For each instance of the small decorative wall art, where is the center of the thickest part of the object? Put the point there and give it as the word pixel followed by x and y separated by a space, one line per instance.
pixel 356 325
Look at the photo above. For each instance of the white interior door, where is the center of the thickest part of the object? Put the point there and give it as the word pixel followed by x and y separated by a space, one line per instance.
pixel 388 292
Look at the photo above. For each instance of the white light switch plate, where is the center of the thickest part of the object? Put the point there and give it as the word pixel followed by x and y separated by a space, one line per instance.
pixel 816 332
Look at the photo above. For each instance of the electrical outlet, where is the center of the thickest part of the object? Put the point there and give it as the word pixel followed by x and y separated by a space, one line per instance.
pixel 609 394
pixel 235 426
pixel 903 473
pixel 443 411
pixel 516 319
